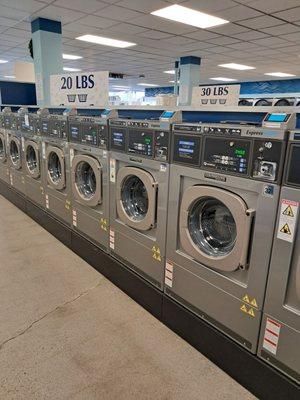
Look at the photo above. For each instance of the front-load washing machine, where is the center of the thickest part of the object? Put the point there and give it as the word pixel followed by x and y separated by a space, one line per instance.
pixel 15 143
pixel 90 178
pixel 56 164
pixel 224 189
pixel 139 178
pixel 280 332
pixel 32 156
pixel 4 166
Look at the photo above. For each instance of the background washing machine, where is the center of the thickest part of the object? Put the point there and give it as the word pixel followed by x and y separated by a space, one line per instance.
pixel 4 166
pixel 14 150
pixel 56 165
pixel 90 177
pixel 139 177
pixel 224 189
pixel 32 156
pixel 280 332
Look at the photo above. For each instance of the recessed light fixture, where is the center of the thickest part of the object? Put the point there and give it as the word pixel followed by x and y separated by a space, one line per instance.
pixel 71 69
pixel 219 78
pixel 105 41
pixel 239 67
pixel 280 74
pixel 189 16
pixel 71 57
pixel 147 84
pixel 121 87
pixel 171 72
pixel 9 76
pixel 3 61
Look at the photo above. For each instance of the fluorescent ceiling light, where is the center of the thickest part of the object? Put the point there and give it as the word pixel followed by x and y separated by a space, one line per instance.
pixel 3 61
pixel 171 72
pixel 121 87
pixel 9 76
pixel 105 41
pixel 189 16
pixel 147 84
pixel 219 78
pixel 279 74
pixel 240 67
pixel 71 69
pixel 71 57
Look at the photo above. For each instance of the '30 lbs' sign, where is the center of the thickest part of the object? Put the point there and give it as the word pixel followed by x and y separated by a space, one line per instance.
pixel 227 95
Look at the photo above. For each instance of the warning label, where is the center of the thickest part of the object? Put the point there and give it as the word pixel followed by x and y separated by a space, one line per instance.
pixel 112 239
pixel 287 220
pixel 271 336
pixel 247 310
pixel 156 253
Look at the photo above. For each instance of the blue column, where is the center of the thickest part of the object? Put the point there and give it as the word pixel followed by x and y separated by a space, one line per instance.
pixel 47 53
pixel 189 78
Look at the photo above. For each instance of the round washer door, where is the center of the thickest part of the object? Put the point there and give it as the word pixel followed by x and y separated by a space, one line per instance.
pixel 56 175
pixel 15 152
pixel 215 227
pixel 2 147
pixel 87 180
pixel 136 198
pixel 32 159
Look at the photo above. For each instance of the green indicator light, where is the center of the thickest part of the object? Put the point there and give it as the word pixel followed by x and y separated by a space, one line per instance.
pixel 239 152
pixel 148 140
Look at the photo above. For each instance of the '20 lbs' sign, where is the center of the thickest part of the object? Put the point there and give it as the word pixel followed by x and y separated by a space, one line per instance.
pixel 80 89
pixel 216 95
pixel 80 82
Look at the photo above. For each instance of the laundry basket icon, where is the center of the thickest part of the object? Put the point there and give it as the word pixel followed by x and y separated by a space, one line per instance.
pixel 213 101
pixel 71 98
pixel 222 101
pixel 82 98
pixel 204 101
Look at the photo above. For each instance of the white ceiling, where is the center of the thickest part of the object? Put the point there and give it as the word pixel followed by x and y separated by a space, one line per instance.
pixel 262 33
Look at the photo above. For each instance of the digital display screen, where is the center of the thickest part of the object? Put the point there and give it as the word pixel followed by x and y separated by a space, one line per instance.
pixel 167 114
pixel 240 152
pixel 293 176
pixel 186 149
pixel 74 131
pixel 140 142
pixel 277 117
pixel 118 138
pixel 105 112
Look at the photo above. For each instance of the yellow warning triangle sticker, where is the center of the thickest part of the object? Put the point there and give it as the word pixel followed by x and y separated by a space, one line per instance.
pixel 286 229
pixel 158 257
pixel 251 312
pixel 288 211
pixel 244 308
pixel 254 303
pixel 158 250
pixel 246 299
pixel 153 248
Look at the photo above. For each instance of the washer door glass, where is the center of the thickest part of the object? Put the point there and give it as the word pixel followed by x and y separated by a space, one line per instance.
pixel 134 198
pixel 54 167
pixel 2 148
pixel 14 151
pixel 212 226
pixel 85 180
pixel 32 160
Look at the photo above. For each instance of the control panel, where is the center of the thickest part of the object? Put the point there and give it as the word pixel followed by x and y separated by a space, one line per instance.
pixel 54 126
pixel 257 153
pixel 143 138
pixel 228 155
pixel 292 165
pixel 89 130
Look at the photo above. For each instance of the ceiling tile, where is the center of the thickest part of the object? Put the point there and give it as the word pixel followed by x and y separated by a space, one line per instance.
pixel 289 15
pixel 95 21
pixel 209 6
pixel 143 5
pixel 271 6
pixel 161 24
pixel 251 35
pixel 264 21
pixel 7 12
pixel 202 34
pixel 23 5
pixel 281 29
pixel 151 34
pixel 238 13
pixel 86 6
pixel 128 29
pixel 229 29
pixel 118 13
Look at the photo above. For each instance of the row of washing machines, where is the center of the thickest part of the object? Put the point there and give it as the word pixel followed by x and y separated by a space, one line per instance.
pixel 207 213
